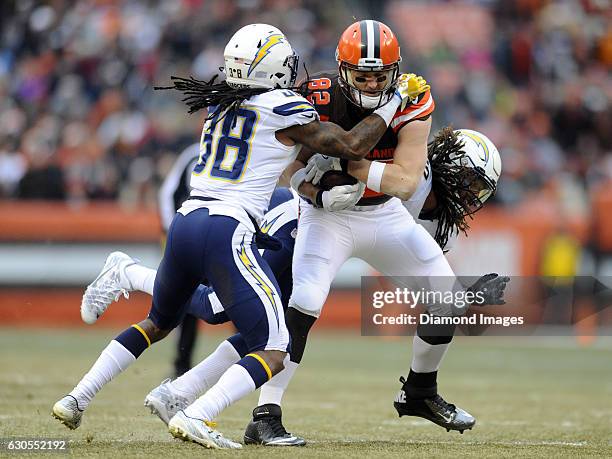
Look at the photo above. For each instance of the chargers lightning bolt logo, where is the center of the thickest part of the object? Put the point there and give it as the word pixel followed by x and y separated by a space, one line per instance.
pixel 267 225
pixel 264 50
pixel 252 269
pixel 479 142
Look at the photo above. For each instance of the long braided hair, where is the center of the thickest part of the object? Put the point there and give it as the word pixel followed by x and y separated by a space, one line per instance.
pixel 449 179
pixel 201 94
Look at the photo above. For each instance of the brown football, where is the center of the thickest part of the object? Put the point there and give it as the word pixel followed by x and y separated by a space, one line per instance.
pixel 336 178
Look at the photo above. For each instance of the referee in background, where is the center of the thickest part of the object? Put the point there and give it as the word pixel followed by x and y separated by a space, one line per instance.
pixel 174 190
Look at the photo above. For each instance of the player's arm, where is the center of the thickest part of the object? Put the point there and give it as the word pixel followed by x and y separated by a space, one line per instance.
pixel 330 139
pixel 401 178
pixel 306 189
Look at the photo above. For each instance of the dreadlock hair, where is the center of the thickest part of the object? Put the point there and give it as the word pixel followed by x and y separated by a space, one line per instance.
pixel 449 178
pixel 201 94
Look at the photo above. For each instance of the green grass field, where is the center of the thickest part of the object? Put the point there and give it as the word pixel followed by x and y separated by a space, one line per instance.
pixel 531 397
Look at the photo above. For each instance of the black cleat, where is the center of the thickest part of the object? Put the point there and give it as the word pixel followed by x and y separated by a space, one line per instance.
pixel 267 428
pixel 434 409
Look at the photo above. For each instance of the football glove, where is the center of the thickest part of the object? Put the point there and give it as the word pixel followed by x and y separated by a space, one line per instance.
pixel 489 289
pixel 318 165
pixel 297 179
pixel 340 197
pixel 410 86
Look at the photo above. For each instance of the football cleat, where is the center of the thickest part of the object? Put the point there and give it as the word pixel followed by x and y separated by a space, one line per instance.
pixel 434 409
pixel 199 431
pixel 67 411
pixel 106 288
pixel 164 402
pixel 267 428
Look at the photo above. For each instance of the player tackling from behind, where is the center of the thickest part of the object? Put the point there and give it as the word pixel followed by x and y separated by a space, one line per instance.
pixel 255 128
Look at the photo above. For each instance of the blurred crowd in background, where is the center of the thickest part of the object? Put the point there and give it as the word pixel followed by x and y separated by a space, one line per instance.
pixel 80 121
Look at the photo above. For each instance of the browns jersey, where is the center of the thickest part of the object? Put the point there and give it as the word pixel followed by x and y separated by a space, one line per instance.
pixel 323 91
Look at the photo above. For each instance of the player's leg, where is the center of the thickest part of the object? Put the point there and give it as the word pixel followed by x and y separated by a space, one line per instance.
pixel 323 244
pixel 405 249
pixel 174 285
pixel 247 289
pixel 170 397
pixel 188 333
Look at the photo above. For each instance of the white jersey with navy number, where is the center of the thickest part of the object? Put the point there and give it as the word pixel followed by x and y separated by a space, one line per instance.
pixel 240 157
pixel 417 201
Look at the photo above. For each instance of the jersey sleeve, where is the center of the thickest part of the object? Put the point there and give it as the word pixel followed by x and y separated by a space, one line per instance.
pixel 419 110
pixel 296 112
pixel 290 109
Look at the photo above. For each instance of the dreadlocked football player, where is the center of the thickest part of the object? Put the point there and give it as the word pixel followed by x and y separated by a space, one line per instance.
pixel 255 128
pixel 457 181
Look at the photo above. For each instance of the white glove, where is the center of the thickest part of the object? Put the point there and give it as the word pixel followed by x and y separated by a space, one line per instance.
pixel 298 178
pixel 319 165
pixel 342 197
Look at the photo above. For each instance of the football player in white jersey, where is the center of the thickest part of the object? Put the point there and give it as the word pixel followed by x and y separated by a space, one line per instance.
pixel 442 201
pixel 255 129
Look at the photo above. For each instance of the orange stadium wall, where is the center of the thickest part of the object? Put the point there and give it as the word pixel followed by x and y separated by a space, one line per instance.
pixel 527 225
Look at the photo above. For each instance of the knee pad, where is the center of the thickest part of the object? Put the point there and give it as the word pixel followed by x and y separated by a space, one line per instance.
pixel 298 324
pixel 308 301
pixel 436 334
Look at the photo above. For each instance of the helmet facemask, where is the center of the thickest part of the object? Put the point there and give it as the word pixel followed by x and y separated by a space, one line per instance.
pixel 351 78
pixel 368 46
pixel 476 190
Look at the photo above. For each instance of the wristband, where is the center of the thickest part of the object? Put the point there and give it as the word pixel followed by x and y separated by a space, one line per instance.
pixel 375 175
pixel 387 111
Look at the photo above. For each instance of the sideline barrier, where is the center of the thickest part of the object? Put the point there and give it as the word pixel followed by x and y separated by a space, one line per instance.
pixel 60 308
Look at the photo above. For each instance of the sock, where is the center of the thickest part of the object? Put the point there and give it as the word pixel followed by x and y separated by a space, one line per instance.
pixel 273 390
pixel 138 277
pixel 114 359
pixel 238 381
pixel 426 357
pixel 203 376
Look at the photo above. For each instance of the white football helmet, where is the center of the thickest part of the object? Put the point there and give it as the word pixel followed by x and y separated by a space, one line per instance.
pixel 259 56
pixel 482 157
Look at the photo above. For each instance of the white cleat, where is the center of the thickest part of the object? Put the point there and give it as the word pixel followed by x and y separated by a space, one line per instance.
pixel 106 288
pixel 68 412
pixel 199 431
pixel 164 402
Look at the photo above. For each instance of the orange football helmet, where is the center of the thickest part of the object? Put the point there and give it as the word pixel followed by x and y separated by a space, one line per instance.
pixel 368 46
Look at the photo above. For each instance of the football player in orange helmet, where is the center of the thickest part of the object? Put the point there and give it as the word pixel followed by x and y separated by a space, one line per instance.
pixel 368 57
pixel 378 228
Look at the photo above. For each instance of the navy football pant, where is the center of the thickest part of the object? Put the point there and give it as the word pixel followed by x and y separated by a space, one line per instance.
pixel 220 249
